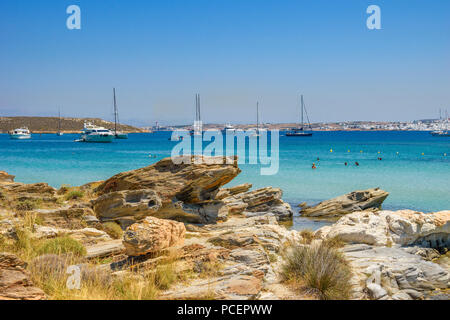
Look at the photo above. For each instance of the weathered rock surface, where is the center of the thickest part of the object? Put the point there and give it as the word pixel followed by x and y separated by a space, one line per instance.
pixel 15 283
pixel 267 200
pixel 183 192
pixel 6 178
pixel 85 235
pixel 152 235
pixel 105 249
pixel 34 188
pixel 247 271
pixel 227 192
pixel 345 204
pixel 190 183
pixel 382 228
pixel 393 273
pixel 131 205
pixel 68 217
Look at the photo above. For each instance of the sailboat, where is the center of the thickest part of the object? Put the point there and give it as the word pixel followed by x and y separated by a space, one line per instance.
pixel 257 131
pixel 117 134
pixel 197 127
pixel 300 131
pixel 59 133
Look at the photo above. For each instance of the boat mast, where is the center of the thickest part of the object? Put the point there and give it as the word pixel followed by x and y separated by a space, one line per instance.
pixel 115 112
pixel 199 112
pixel 257 116
pixel 59 120
pixel 301 98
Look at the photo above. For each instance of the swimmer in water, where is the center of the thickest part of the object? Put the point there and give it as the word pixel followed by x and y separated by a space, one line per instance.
pixel 314 165
pixel 346 164
pixel 357 163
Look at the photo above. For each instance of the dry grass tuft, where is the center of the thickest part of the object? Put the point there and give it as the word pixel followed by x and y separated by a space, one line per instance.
pixel 307 236
pixel 320 269
pixel 334 242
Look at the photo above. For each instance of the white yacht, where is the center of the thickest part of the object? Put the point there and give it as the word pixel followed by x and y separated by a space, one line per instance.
pixel 229 128
pixel 93 133
pixel 21 133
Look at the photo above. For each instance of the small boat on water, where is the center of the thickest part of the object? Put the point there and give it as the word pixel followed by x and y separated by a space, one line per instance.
pixel 229 128
pixel 117 134
pixel 93 133
pixel 300 131
pixel 440 133
pixel 443 128
pixel 20 134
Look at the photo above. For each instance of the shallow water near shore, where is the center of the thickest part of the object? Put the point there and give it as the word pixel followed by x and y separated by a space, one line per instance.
pixel 415 181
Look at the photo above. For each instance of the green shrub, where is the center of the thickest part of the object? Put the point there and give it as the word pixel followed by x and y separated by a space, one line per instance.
pixel 113 229
pixel 74 194
pixel 321 269
pixel 64 189
pixel 62 245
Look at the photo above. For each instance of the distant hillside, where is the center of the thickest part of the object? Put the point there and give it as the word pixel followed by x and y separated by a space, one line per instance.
pixel 50 124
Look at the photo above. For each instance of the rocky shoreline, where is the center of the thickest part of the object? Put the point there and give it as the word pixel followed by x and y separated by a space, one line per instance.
pixel 219 243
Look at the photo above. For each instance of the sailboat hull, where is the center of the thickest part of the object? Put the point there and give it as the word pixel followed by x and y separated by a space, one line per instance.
pixel 121 136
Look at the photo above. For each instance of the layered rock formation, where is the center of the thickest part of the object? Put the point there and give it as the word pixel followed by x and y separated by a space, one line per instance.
pixel 183 192
pixel 258 201
pixel 187 193
pixel 391 251
pixel 127 206
pixel 370 199
pixel 15 283
pixel 246 246
pixel 382 228
pixel 190 183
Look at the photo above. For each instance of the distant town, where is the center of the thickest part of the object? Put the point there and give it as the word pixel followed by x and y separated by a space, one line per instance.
pixel 417 125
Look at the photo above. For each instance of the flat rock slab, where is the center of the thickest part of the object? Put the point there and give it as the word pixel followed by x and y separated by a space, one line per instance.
pixel 105 249
pixel 388 273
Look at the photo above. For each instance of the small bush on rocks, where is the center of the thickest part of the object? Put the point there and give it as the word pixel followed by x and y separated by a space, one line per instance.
pixel 321 269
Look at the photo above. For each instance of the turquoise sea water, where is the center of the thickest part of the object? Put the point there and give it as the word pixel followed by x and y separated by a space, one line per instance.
pixel 415 181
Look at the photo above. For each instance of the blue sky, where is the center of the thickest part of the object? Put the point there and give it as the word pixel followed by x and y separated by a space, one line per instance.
pixel 158 54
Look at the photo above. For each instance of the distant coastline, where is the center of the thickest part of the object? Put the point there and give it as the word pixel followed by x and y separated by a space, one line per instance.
pixel 50 124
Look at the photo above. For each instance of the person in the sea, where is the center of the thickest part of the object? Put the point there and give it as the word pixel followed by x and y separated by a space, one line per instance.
pixel 314 166
pixel 345 163
pixel 357 163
